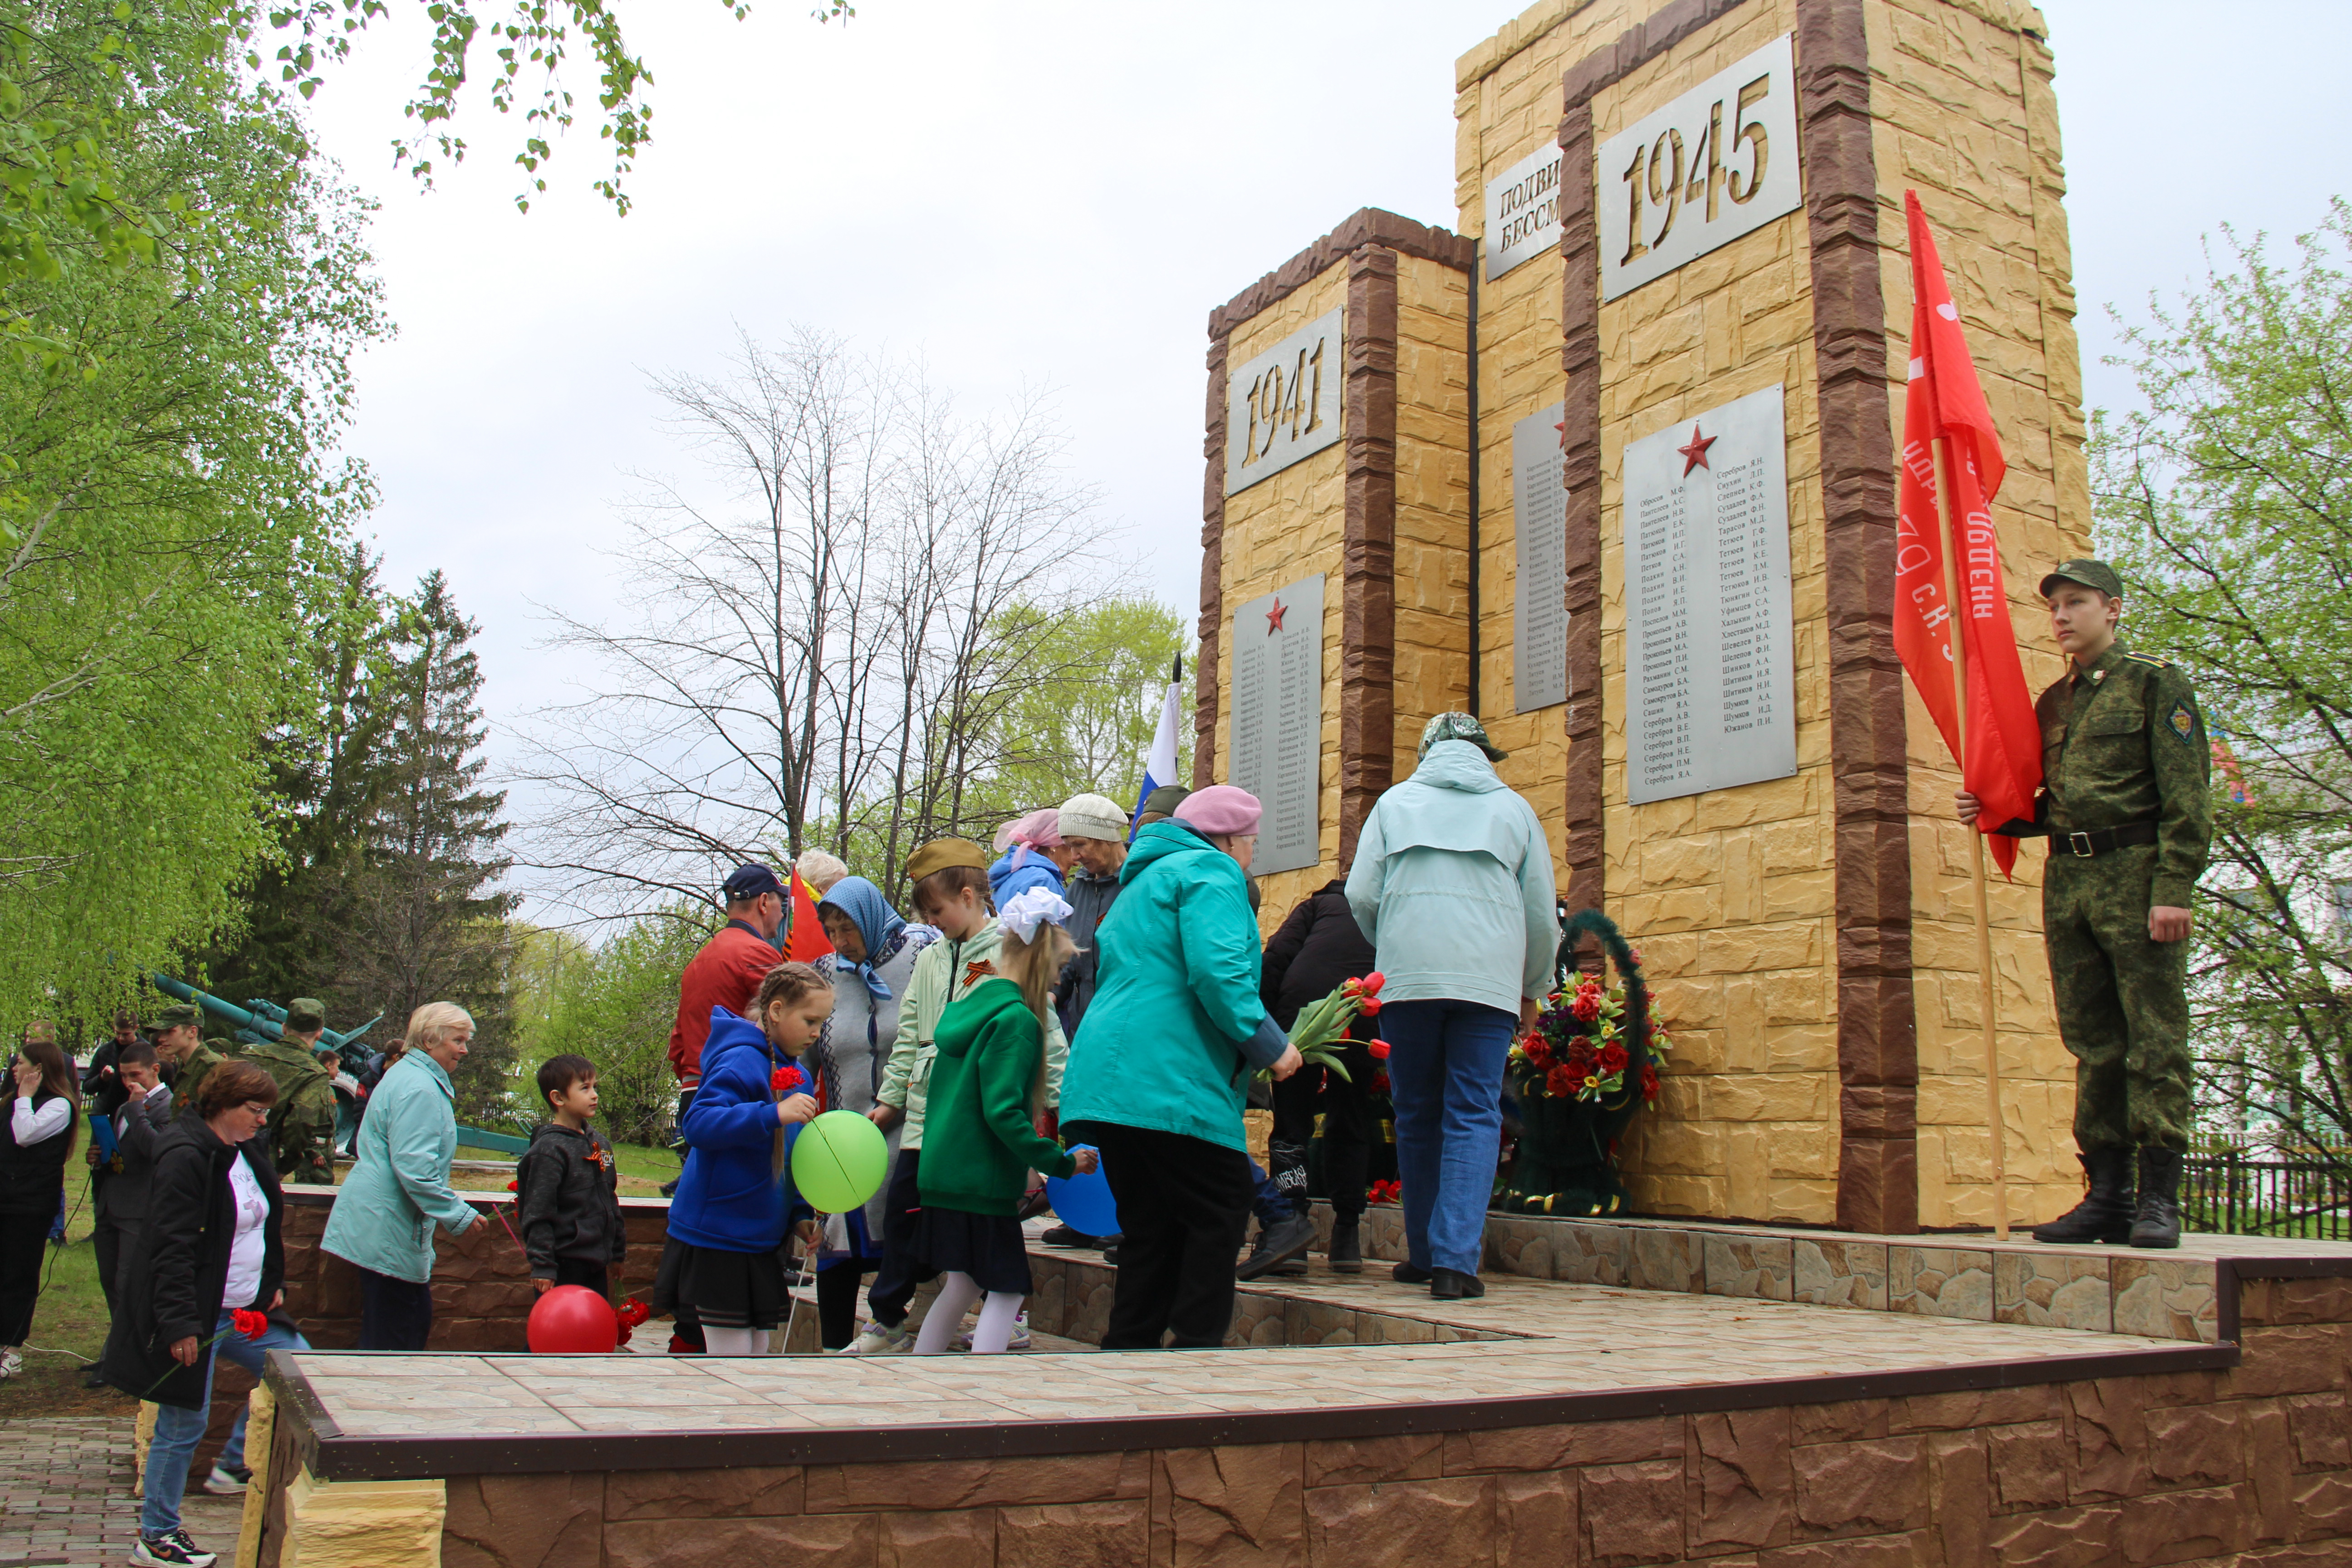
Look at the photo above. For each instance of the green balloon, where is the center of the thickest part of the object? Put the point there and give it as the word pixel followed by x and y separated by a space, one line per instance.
pixel 839 1161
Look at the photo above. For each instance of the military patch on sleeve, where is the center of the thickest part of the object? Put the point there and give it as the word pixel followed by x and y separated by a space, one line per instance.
pixel 2183 722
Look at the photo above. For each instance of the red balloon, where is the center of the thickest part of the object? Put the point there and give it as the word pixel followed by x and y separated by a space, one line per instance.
pixel 572 1320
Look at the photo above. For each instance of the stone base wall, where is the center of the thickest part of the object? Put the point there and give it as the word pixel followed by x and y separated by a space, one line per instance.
pixel 2251 1464
pixel 482 1292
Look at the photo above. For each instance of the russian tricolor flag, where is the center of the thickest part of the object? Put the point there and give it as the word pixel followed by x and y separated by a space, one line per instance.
pixel 1160 763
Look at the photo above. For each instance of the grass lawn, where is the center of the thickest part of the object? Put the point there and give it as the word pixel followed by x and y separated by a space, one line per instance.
pixel 71 1314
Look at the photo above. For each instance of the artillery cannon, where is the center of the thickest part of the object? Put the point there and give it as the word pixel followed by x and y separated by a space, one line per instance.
pixel 259 1022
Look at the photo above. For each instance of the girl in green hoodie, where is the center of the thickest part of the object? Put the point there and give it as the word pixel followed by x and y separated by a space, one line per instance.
pixel 979 1135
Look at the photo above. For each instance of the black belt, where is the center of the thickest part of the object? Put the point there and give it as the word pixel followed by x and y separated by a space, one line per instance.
pixel 2103 841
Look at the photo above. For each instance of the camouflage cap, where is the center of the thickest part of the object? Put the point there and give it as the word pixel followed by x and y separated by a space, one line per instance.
pixel 1459 727
pixel 305 1014
pixel 2088 573
pixel 180 1015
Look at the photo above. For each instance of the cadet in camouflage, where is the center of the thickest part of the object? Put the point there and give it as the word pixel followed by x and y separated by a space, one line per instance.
pixel 2128 813
pixel 302 1122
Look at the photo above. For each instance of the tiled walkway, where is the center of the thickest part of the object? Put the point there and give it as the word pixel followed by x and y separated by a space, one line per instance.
pixel 1575 1338
pixel 66 1496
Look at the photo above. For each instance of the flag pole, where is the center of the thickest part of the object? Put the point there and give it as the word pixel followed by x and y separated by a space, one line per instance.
pixel 1977 877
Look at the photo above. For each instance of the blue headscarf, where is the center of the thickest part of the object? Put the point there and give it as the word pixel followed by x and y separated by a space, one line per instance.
pixel 878 923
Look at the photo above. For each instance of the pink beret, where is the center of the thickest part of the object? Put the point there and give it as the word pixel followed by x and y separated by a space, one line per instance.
pixel 1220 809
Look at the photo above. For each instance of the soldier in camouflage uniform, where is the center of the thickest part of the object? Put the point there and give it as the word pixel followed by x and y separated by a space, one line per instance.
pixel 2126 806
pixel 180 1044
pixel 302 1122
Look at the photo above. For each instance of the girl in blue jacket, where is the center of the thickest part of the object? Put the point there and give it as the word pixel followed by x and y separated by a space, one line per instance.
pixel 735 1200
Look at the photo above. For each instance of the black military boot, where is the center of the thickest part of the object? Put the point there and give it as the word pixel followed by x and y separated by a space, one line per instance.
pixel 1346 1252
pixel 2106 1212
pixel 2157 1221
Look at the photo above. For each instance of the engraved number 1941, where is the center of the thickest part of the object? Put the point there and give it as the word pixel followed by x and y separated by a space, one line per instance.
pixel 1284 400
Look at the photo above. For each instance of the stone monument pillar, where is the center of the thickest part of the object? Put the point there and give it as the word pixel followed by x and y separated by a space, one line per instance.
pixel 1617 472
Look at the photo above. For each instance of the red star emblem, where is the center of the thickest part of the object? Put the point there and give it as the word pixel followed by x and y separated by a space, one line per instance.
pixel 1694 455
pixel 1274 618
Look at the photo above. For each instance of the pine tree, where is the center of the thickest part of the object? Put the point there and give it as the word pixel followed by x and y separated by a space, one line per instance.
pixel 418 916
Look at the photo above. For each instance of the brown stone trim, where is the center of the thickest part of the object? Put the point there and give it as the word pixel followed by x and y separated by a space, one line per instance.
pixel 1585 887
pixel 1368 543
pixel 342 1458
pixel 1878 1052
pixel 1366 225
pixel 1212 575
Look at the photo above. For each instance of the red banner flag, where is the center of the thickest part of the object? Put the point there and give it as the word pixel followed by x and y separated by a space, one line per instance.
pixel 2001 752
pixel 807 943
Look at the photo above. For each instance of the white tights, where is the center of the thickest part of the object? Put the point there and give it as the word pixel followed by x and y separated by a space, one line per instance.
pixel 957 1293
pixel 737 1341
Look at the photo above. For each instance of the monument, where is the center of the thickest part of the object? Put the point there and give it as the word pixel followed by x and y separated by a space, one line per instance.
pixel 1611 463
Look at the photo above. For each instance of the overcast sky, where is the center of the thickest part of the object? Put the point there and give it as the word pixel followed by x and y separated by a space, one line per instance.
pixel 1043 191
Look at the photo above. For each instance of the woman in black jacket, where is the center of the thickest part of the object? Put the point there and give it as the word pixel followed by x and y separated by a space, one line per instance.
pixel 1318 946
pixel 37 1133
pixel 211 1249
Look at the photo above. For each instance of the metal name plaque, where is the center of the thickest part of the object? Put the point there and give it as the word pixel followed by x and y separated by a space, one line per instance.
pixel 1539 587
pixel 1708 167
pixel 1523 211
pixel 1277 731
pixel 1283 404
pixel 1710 660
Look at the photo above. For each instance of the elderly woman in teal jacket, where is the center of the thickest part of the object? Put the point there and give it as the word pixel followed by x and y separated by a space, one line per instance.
pixel 1453 883
pixel 1162 1065
pixel 385 1214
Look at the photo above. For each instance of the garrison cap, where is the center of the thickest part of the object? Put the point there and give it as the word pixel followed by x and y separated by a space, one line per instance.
pixel 179 1014
pixel 2087 573
pixel 305 1014
pixel 941 852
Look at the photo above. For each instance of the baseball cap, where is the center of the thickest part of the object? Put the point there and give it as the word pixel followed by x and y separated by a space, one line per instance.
pixel 749 881
pixel 1459 727
pixel 2086 573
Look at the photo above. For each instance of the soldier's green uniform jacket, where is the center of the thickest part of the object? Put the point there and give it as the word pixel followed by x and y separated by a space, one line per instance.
pixel 189 1076
pixel 2123 747
pixel 302 1122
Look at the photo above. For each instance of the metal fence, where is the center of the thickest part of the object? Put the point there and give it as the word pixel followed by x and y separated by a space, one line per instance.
pixel 2236 1194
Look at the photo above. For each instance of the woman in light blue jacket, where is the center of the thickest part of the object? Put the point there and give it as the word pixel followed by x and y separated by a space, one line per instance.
pixel 1453 884
pixel 383 1216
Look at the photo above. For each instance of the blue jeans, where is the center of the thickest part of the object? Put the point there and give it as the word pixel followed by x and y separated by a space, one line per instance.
pixel 1268 1202
pixel 178 1431
pixel 1446 1078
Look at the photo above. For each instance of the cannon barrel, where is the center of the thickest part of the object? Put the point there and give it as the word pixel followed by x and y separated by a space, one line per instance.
pixel 259 1022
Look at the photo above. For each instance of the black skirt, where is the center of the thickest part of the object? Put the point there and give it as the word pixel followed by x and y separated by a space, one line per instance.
pixel 987 1247
pixel 726 1290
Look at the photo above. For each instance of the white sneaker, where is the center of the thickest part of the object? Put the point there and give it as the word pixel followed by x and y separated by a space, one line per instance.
pixel 1019 1342
pixel 173 1550
pixel 11 1364
pixel 226 1482
pixel 879 1339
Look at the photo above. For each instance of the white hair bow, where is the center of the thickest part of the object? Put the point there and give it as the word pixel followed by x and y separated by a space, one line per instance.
pixel 1027 910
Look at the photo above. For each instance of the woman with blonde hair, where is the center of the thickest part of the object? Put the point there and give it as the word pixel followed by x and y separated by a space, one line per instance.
pixel 980 1134
pixel 37 1133
pixel 399 1189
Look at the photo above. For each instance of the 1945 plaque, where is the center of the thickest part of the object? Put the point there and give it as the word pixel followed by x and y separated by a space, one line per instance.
pixel 1710 663
pixel 1277 733
pixel 1539 585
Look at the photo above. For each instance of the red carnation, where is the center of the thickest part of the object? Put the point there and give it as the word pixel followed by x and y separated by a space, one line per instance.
pixel 251 1324
pixel 783 1078
pixel 511 1187
pixel 633 1312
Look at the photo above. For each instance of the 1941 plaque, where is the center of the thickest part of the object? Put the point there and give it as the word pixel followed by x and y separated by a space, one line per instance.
pixel 1277 730
pixel 1283 404
pixel 1539 586
pixel 1710 663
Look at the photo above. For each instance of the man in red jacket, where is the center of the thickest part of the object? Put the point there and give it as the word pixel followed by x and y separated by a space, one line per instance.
pixel 726 972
